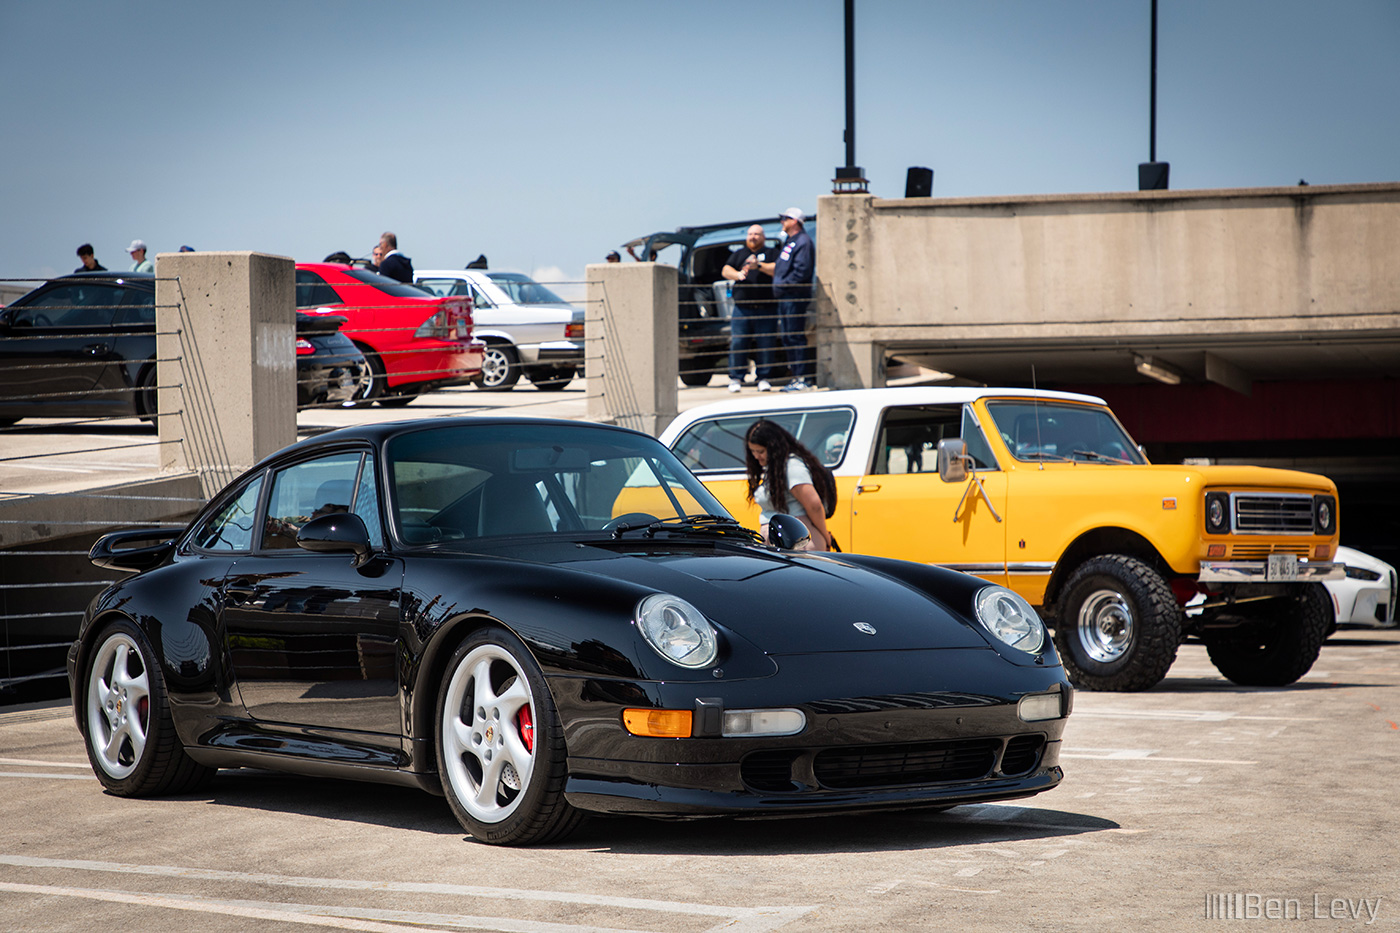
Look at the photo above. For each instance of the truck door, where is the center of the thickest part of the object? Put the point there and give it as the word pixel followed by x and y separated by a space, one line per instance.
pixel 903 509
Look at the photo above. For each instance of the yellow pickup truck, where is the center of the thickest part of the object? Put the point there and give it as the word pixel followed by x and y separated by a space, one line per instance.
pixel 1046 493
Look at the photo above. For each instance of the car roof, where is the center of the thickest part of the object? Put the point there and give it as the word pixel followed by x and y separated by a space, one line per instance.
pixel 867 398
pixel 688 236
pixel 145 281
pixel 381 431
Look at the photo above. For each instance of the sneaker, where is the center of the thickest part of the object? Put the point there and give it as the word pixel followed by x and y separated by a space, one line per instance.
pixel 765 386
pixel 735 385
pixel 797 385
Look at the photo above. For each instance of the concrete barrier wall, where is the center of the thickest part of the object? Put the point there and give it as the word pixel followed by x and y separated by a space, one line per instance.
pixel 902 271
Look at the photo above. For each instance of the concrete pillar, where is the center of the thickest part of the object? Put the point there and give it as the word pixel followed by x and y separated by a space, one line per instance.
pixel 632 341
pixel 226 351
pixel 845 286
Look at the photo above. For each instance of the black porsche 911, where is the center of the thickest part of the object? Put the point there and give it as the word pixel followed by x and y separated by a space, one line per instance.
pixel 543 619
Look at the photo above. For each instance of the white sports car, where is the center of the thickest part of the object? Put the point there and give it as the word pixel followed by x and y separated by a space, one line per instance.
pixel 528 329
pixel 1367 595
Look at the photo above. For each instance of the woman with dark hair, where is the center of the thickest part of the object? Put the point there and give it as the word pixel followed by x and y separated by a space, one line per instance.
pixel 786 477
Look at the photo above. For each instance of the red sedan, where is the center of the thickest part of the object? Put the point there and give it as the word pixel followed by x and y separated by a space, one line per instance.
pixel 413 340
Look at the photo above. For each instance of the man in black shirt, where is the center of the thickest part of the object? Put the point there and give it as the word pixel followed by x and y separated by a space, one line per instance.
pixel 751 328
pixel 394 264
pixel 90 263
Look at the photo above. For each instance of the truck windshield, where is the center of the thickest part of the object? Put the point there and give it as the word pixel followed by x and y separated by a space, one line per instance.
pixel 1062 431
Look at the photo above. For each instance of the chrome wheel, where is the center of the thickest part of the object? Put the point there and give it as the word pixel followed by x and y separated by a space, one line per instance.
pixel 488 733
pixel 500 367
pixel 1106 625
pixel 118 706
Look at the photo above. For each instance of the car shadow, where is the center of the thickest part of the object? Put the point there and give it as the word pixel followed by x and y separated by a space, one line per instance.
pixel 974 824
pixel 407 808
pixel 1220 685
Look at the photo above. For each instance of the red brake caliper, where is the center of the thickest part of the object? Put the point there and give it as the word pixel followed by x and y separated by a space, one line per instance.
pixel 526 723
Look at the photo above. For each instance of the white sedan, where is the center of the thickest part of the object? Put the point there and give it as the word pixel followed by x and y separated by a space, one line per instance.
pixel 1367 595
pixel 528 329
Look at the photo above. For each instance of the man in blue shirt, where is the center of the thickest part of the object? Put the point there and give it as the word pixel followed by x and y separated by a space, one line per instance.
pixel 792 287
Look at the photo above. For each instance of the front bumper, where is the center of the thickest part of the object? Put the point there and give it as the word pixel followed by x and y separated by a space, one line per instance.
pixel 1261 571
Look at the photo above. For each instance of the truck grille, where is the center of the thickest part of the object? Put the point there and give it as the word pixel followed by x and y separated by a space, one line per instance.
pixel 1257 514
pixel 1262 551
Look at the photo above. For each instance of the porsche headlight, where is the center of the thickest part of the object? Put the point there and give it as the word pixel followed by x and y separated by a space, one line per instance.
pixel 677 630
pixel 1009 618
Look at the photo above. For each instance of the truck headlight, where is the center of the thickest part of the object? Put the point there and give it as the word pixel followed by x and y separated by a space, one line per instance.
pixel 1217 513
pixel 1324 515
pixel 1009 618
pixel 677 630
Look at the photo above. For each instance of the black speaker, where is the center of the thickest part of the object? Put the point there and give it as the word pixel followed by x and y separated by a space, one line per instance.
pixel 919 183
pixel 1152 176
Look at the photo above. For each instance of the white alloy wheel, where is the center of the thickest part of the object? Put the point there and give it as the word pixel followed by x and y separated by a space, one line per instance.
pixel 118 705
pixel 488 733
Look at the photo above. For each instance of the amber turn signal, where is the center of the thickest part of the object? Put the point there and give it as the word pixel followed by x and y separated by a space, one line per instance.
pixel 658 723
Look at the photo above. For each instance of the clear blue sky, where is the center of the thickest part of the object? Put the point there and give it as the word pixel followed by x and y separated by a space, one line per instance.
pixel 545 133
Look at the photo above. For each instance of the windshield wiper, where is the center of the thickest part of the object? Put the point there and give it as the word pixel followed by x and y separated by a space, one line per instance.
pixel 1095 455
pixel 689 524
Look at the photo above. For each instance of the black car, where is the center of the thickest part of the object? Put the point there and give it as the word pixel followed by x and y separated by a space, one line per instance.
pixel 84 345
pixel 542 619
pixel 699 253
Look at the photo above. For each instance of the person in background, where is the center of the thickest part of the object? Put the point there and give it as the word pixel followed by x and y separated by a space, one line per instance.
pixel 88 260
pixel 613 256
pixel 187 249
pixel 375 255
pixel 395 264
pixel 786 477
pixel 751 327
pixel 139 262
pixel 792 286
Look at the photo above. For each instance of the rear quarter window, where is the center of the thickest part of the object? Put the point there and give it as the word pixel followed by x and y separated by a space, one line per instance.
pixel 716 445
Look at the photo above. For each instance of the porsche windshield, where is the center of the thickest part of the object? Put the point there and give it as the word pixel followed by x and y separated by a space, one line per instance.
pixel 1060 431
pixel 474 481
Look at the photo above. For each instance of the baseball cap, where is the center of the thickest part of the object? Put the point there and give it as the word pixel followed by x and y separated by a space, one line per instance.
pixel 795 213
pixel 135 245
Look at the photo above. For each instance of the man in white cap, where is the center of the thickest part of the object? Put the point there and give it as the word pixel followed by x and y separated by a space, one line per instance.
pixel 139 262
pixel 792 287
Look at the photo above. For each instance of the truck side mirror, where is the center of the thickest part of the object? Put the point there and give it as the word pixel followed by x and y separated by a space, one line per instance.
pixel 952 460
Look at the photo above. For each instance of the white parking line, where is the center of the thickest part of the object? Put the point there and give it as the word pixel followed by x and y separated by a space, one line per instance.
pixel 734 919
pixel 45 775
pixel 1182 715
pixel 1145 754
pixel 45 764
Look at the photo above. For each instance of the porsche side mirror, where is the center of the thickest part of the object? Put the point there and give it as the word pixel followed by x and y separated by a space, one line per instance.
pixel 787 532
pixel 952 460
pixel 340 532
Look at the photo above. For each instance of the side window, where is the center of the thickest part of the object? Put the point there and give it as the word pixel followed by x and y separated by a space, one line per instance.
pixel 85 305
pixel 367 502
pixel 718 444
pixel 908 441
pixel 977 447
pixel 231 527
pixel 479 299
pixel 313 292
pixel 308 490
pixel 138 308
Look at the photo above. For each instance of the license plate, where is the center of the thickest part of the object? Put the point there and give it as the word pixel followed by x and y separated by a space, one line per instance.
pixel 1282 567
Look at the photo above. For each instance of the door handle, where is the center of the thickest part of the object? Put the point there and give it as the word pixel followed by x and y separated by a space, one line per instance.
pixel 238 595
pixel 867 487
pixel 96 349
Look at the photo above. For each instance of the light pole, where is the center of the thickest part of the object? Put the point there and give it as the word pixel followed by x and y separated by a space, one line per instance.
pixel 1152 175
pixel 850 178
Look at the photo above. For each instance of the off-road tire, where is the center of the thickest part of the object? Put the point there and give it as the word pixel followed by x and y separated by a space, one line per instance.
pixel 1118 625
pixel 1276 652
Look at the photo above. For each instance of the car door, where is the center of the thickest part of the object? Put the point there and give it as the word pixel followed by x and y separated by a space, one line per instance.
pixel 312 636
pixel 904 509
pixel 55 346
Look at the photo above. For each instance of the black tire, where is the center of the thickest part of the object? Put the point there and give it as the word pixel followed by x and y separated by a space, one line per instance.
pixel 697 376
pixel 127 729
pixel 1118 625
pixel 500 367
pixel 1278 650
pixel 146 394
pixel 519 801
pixel 372 387
pixel 553 380
pixel 398 398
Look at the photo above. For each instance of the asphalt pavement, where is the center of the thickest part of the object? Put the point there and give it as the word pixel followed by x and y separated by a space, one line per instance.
pixel 1195 801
